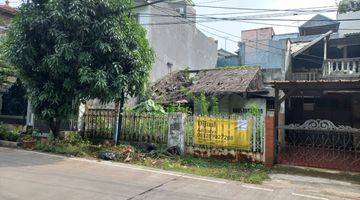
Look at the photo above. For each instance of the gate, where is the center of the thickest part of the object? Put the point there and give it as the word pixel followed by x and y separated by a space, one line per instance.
pixel 321 144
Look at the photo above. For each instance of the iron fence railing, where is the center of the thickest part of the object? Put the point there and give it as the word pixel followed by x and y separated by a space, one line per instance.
pixel 99 124
pixel 322 144
pixel 150 128
pixel 227 131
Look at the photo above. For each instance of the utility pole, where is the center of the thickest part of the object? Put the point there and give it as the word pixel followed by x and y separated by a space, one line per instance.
pixel 226 38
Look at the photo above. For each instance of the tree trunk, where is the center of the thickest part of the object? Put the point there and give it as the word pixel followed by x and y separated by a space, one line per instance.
pixel 119 106
pixel 55 127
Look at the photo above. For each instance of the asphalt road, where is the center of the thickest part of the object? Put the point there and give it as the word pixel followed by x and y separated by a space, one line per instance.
pixel 30 175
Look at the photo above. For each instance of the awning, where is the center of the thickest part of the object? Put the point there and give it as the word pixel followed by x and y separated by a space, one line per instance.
pixel 318 85
pixel 301 47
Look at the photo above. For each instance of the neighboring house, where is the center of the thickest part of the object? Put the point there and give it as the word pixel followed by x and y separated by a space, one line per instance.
pixel 6 14
pixel 319 24
pixel 261 50
pixel 226 58
pixel 321 96
pixel 176 41
pixel 237 88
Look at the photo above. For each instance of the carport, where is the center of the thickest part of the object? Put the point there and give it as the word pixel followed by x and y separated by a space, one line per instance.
pixel 321 126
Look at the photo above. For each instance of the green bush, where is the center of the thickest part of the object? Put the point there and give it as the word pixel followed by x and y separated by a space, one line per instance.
pixel 3 131
pixel 9 135
pixel 73 138
pixel 149 106
pixel 61 148
pixel 12 136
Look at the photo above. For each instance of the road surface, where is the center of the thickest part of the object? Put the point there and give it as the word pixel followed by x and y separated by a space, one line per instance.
pixel 37 176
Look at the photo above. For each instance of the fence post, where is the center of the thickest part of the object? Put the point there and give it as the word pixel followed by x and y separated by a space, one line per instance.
pixel 176 136
pixel 269 153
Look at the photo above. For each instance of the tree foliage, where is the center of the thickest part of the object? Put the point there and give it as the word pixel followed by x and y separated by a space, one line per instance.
pixel 72 50
pixel 348 6
pixel 6 70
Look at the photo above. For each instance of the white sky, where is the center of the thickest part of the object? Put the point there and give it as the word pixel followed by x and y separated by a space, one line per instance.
pixel 235 28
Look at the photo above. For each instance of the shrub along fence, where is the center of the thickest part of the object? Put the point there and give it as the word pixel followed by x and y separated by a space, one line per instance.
pixel 238 133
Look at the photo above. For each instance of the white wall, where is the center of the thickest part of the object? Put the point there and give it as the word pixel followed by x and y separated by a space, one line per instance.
pixel 230 102
pixel 183 45
pixel 348 24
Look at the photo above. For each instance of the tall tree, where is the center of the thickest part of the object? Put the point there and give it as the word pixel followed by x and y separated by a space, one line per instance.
pixel 72 50
pixel 6 70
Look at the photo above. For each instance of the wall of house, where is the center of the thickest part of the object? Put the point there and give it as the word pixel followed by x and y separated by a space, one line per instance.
pixel 261 50
pixel 229 61
pixel 265 54
pixel 346 26
pixel 232 104
pixel 177 46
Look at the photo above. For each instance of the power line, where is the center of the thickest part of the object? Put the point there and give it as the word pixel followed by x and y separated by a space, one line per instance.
pixel 246 18
pixel 258 9
pixel 247 44
pixel 239 20
pixel 213 1
pixel 147 4
pixel 232 34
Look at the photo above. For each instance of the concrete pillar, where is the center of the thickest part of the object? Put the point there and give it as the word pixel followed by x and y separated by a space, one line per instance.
pixel 345 52
pixel 176 136
pixel 29 115
pixel 81 114
pixel 269 153
pixel 325 48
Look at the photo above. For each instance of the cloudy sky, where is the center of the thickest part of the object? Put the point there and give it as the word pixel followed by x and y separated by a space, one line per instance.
pixel 233 29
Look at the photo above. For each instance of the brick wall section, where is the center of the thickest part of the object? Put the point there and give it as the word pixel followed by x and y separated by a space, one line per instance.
pixel 269 141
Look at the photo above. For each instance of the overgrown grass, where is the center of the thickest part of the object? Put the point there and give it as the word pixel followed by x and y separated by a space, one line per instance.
pixel 238 171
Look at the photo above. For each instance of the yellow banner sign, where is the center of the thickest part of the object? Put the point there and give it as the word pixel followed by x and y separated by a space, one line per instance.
pixel 223 132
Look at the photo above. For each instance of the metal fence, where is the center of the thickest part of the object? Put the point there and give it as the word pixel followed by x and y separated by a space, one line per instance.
pixel 321 143
pixel 152 128
pixel 149 128
pixel 99 124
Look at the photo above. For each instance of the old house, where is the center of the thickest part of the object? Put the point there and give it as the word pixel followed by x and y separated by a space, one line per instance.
pixel 237 88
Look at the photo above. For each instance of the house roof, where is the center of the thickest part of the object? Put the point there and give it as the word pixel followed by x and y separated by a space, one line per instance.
pixel 319 20
pixel 169 89
pixel 229 80
pixel 223 52
pixel 298 48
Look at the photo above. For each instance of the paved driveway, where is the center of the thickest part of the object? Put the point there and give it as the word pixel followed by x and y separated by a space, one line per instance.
pixel 37 176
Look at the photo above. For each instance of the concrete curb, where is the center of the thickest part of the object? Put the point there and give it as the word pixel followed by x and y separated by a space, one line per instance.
pixel 4 143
